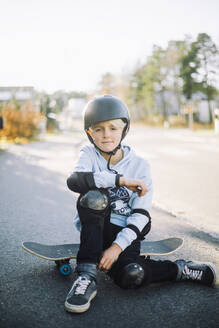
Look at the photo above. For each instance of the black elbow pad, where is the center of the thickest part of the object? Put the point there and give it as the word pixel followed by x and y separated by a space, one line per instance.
pixel 81 182
pixel 147 227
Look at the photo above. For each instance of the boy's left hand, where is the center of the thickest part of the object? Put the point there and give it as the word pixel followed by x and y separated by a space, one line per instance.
pixel 136 185
pixel 110 255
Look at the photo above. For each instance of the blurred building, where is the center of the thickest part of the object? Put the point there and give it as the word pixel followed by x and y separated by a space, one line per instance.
pixel 21 94
pixel 71 115
pixel 176 104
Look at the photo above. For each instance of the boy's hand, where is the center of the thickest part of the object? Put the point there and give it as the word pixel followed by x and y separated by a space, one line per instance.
pixel 135 185
pixel 110 256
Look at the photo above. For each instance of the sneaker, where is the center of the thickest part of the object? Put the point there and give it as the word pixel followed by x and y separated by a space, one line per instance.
pixel 82 292
pixel 202 272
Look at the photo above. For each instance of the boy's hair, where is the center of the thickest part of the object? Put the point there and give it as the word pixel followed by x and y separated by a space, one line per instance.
pixel 118 123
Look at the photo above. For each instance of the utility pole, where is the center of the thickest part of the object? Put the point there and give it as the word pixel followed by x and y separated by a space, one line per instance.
pixel 190 112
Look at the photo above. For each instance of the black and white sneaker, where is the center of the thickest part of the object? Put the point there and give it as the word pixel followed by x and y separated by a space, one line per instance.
pixel 82 292
pixel 202 272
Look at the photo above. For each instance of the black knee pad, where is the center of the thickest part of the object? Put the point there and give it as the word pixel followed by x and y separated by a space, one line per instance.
pixel 95 200
pixel 93 207
pixel 131 276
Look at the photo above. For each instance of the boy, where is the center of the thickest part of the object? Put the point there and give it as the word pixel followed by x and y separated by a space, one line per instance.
pixel 115 190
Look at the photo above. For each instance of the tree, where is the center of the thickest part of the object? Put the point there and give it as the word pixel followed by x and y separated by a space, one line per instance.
pixel 151 80
pixel 188 71
pixel 198 69
pixel 142 88
pixel 107 84
pixel 207 53
pixel 159 77
pixel 173 57
pixel 117 85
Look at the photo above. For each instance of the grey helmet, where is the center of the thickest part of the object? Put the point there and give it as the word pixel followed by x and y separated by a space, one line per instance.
pixel 105 108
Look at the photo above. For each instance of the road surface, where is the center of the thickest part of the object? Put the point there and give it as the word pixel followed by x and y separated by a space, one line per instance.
pixel 35 205
pixel 185 171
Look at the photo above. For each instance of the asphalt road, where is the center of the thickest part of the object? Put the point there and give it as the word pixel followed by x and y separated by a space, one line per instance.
pixel 185 171
pixel 35 205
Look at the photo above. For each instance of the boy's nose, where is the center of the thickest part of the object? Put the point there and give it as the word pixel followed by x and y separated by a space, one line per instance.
pixel 106 133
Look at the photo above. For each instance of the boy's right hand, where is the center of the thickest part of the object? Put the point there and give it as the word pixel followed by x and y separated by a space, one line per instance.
pixel 135 185
pixel 110 255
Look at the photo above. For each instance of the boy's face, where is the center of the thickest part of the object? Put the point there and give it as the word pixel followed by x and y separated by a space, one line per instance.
pixel 106 135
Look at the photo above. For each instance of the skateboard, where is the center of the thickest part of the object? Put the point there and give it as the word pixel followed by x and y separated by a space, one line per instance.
pixel 62 254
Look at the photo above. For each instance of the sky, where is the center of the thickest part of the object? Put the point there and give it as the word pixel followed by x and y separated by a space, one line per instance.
pixel 69 44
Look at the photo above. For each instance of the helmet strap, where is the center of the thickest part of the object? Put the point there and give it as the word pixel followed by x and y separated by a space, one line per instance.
pixel 111 153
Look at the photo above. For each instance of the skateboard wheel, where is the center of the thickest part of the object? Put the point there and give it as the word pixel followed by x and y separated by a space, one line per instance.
pixel 65 269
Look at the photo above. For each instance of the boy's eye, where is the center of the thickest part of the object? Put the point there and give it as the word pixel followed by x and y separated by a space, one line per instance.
pixel 113 128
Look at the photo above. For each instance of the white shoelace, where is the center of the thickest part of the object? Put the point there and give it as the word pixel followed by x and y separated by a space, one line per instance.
pixel 81 285
pixel 192 274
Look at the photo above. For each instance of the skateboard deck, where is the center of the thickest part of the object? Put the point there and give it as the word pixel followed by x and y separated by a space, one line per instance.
pixel 62 254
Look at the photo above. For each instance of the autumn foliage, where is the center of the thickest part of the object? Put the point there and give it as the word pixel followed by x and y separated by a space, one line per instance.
pixel 20 122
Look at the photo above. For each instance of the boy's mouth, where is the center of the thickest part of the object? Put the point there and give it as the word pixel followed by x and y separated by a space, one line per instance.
pixel 107 142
